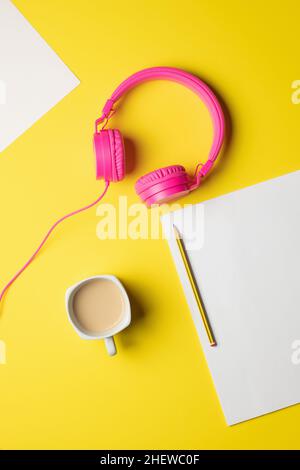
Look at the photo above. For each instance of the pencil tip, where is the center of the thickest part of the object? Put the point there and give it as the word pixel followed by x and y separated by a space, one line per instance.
pixel 176 231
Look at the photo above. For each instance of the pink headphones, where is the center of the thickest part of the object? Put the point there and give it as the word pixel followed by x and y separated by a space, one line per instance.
pixel 169 182
pixel 160 185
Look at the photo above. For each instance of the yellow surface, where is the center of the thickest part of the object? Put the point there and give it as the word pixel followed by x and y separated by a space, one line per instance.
pixel 58 391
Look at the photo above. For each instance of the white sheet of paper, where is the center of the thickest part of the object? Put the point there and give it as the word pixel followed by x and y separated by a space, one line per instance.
pixel 32 77
pixel 246 260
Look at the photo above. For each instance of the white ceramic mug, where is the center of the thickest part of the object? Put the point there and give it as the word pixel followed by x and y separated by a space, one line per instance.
pixel 107 335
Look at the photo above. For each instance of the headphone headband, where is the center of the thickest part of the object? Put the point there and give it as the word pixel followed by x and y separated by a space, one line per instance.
pixel 188 80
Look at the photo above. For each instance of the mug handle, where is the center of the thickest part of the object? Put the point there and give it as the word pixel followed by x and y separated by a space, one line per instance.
pixel 110 345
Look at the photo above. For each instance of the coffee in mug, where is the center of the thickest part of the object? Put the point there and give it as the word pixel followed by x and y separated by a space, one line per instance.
pixel 98 308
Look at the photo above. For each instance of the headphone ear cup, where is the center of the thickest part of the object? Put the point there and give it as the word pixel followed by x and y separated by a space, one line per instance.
pixel 110 155
pixel 163 185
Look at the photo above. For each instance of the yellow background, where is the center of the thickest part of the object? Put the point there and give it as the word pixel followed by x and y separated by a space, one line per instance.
pixel 58 391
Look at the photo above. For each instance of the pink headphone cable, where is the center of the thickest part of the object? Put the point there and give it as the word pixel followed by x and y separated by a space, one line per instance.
pixel 48 235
